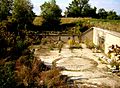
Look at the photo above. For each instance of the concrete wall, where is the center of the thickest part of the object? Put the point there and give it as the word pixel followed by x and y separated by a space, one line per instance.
pixel 87 35
pixel 97 34
pixel 110 38
pixel 63 37
pixel 95 37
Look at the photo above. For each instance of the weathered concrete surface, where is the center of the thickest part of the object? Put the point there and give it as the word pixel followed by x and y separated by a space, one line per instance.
pixel 109 38
pixel 82 66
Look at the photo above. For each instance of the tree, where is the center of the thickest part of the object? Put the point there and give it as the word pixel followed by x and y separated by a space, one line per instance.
pixel 102 13
pixel 112 15
pixel 88 11
pixel 22 13
pixel 5 8
pixel 75 9
pixel 51 14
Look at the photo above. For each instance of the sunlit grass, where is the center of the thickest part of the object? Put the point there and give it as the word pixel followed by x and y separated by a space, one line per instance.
pixel 69 20
pixel 38 21
pixel 113 25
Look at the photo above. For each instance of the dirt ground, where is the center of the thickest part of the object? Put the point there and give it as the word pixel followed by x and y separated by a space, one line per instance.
pixel 83 66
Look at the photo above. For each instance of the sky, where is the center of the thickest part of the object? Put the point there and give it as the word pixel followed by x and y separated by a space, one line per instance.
pixel 106 4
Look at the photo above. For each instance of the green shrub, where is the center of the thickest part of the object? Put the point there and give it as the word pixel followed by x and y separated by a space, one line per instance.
pixel 7 75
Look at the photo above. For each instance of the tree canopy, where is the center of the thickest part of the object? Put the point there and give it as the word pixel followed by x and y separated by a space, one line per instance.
pixel 5 8
pixel 80 8
pixel 102 13
pixel 22 12
pixel 51 14
pixel 112 15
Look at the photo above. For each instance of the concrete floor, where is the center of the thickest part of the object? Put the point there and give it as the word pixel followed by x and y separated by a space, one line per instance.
pixel 82 65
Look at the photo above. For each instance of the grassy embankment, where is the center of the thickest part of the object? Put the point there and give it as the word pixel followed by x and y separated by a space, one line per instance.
pixel 113 25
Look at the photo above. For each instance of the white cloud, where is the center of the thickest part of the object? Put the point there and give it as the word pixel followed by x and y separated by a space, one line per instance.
pixel 36 5
pixel 106 4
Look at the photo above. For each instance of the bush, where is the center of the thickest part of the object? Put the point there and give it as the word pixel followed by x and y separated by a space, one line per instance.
pixel 53 79
pixel 7 75
pixel 27 71
pixel 71 42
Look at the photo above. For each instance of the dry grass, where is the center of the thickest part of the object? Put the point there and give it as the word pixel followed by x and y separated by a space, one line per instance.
pixel 69 20
pixel 113 25
pixel 53 79
pixel 38 21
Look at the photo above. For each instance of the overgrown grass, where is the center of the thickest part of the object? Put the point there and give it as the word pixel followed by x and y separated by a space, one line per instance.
pixel 69 20
pixel 113 25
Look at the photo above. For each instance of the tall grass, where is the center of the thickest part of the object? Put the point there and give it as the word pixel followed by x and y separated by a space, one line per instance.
pixel 113 25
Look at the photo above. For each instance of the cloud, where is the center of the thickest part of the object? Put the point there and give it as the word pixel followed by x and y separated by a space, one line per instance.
pixel 106 4
pixel 36 5
pixel 36 8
